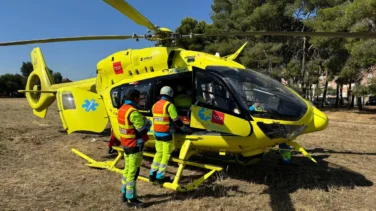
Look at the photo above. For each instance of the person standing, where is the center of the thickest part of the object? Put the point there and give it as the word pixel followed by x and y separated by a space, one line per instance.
pixel 164 116
pixel 133 128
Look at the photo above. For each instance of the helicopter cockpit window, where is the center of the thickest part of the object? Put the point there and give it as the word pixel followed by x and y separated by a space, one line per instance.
pixel 214 94
pixel 263 96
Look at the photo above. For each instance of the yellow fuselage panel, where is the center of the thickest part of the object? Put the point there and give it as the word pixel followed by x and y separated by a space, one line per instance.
pixel 132 63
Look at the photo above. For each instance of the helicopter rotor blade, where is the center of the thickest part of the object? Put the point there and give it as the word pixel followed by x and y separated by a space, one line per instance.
pixel 366 35
pixel 131 13
pixel 67 39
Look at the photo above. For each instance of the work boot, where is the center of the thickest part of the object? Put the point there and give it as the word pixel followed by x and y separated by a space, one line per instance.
pixel 165 179
pixel 152 178
pixel 134 203
pixel 110 150
pixel 123 198
pixel 284 162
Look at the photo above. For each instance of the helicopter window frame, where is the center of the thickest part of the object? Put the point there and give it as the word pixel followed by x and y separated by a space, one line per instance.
pixel 149 98
pixel 178 76
pixel 121 91
pixel 221 82
pixel 161 79
pixel 116 101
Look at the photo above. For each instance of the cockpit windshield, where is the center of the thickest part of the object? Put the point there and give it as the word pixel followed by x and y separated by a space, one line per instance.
pixel 263 96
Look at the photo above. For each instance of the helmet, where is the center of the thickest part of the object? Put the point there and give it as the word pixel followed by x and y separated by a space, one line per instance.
pixel 166 90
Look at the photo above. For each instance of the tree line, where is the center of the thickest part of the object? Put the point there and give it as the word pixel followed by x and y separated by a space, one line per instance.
pixel 299 60
pixel 11 83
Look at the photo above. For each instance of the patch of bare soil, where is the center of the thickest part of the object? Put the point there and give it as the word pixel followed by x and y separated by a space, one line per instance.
pixel 38 170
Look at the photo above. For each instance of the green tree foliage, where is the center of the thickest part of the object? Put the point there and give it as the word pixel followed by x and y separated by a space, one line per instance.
pixel 361 91
pixel 57 77
pixel 10 84
pixel 372 87
pixel 267 54
pixel 188 26
pixel 26 69
pixel 354 56
pixel 301 61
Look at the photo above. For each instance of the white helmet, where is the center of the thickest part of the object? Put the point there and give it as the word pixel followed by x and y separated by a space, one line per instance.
pixel 166 90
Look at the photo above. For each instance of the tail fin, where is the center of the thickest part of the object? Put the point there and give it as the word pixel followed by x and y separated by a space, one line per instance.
pixel 38 88
pixel 236 54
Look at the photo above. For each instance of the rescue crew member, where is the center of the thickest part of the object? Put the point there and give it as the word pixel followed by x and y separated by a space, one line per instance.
pixel 133 128
pixel 182 100
pixel 164 115
pixel 256 106
pixel 284 149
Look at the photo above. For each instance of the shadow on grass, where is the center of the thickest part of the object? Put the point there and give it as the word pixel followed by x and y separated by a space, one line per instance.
pixel 304 174
pixel 322 150
pixel 365 109
pixel 105 133
pixel 281 180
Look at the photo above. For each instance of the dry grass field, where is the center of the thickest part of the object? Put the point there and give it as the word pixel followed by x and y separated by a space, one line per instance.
pixel 38 171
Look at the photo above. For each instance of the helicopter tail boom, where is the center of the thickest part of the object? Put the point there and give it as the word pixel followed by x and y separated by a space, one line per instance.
pixel 40 90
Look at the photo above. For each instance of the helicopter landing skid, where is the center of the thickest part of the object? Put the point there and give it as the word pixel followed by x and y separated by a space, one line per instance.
pixel 185 154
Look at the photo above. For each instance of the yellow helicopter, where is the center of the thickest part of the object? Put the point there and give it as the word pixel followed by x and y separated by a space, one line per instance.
pixel 222 91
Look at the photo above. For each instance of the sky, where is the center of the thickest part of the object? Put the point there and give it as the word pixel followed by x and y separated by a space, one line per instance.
pixel 39 19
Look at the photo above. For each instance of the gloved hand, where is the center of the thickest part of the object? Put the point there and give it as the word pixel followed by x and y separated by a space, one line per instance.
pixel 188 131
pixel 140 141
pixel 148 124
pixel 110 150
pixel 145 137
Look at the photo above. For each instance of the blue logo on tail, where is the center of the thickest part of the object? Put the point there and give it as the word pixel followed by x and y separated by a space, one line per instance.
pixel 90 105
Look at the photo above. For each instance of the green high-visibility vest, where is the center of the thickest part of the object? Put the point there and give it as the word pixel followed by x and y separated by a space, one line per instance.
pixel 183 101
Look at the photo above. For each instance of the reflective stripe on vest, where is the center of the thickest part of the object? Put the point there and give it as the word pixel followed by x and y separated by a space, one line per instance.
pixel 161 118
pixel 126 128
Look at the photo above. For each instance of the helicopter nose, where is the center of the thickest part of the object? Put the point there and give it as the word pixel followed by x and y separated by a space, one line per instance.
pixel 320 121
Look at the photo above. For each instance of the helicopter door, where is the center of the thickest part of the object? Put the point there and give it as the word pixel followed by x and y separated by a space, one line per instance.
pixel 81 110
pixel 214 108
